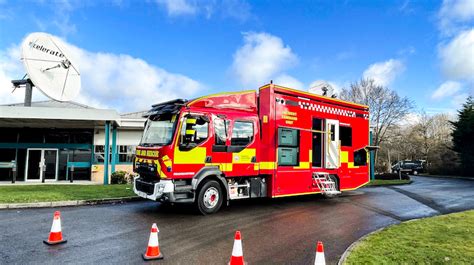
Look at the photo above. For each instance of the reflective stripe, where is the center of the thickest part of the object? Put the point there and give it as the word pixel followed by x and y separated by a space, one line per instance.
pixel 191 121
pixel 153 249
pixel 190 132
pixel 302 165
pixel 167 161
pixel 267 165
pixel 153 241
pixel 56 227
pixel 196 155
pixel 237 249
pixel 296 194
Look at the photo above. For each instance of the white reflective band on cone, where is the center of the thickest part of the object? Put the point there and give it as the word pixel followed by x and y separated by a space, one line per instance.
pixel 237 249
pixel 153 241
pixel 320 260
pixel 56 227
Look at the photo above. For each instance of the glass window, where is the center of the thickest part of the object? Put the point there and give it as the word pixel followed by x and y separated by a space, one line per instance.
pixel 159 130
pixel 220 128
pixel 80 155
pixel 242 133
pixel 345 135
pixel 333 132
pixel 126 153
pixel 360 157
pixel 194 131
pixel 8 135
pixel 99 153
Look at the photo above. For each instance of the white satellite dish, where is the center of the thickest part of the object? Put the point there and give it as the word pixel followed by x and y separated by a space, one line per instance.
pixel 50 67
pixel 322 88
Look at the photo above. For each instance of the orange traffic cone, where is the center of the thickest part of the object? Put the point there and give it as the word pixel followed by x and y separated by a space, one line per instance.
pixel 237 253
pixel 55 236
pixel 319 260
pixel 153 249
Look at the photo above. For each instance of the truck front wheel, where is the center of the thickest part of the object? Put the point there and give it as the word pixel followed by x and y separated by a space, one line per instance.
pixel 209 198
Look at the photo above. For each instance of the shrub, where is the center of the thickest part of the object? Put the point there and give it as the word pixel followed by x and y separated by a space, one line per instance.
pixel 388 176
pixel 120 177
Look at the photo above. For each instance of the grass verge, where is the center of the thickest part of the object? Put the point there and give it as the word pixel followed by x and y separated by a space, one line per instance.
pixel 382 182
pixel 437 240
pixel 49 193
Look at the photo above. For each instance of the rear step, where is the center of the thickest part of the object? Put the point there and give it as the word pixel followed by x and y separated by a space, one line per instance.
pixel 324 182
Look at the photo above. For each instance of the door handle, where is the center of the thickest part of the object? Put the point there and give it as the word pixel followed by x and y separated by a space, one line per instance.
pixel 208 159
pixel 254 159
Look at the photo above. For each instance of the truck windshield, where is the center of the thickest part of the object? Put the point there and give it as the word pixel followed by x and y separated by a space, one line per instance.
pixel 159 130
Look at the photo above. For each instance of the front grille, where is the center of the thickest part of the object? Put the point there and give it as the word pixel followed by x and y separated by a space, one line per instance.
pixel 148 172
pixel 145 187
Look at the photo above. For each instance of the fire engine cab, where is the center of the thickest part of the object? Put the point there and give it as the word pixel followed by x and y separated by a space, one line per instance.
pixel 274 143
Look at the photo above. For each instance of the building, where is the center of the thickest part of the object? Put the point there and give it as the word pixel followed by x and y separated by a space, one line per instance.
pixel 56 140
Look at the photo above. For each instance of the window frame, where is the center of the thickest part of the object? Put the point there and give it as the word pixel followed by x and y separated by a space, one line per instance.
pixel 190 146
pixel 232 132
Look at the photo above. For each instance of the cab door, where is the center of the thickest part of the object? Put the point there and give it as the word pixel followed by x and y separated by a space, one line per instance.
pixel 220 157
pixel 332 156
pixel 243 143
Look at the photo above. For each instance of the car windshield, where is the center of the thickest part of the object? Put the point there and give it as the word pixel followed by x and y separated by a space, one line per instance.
pixel 159 130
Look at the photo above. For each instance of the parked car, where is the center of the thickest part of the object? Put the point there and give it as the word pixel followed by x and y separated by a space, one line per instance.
pixel 413 167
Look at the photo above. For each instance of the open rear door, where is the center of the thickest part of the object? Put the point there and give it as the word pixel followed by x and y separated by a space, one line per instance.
pixel 332 144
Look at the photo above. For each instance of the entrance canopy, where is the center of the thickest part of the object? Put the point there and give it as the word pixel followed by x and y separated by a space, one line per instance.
pixel 54 117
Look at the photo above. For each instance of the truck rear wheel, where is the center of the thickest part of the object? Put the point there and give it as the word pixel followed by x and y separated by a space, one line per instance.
pixel 209 198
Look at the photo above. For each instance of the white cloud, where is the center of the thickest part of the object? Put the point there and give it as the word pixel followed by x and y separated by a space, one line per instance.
pixel 383 73
pixel 457 57
pixel 446 89
pixel 237 9
pixel 10 69
pixel 453 14
pixel 410 119
pixel 178 7
pixel 117 81
pixel 60 17
pixel 289 81
pixel 262 57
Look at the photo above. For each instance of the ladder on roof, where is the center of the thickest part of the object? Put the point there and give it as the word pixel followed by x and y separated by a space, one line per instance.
pixel 324 182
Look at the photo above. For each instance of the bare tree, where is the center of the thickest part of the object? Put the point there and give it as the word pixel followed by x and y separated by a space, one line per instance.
pixel 387 108
pixel 428 138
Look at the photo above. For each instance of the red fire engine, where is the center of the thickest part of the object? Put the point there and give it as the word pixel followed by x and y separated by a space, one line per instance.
pixel 279 142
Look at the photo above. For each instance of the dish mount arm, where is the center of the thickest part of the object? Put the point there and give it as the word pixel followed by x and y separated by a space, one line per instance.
pixel 28 89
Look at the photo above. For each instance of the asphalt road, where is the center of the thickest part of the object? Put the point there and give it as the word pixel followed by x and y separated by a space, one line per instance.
pixel 274 231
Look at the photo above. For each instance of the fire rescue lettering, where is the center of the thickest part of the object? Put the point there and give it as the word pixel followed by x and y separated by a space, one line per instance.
pixel 149 153
pixel 289 116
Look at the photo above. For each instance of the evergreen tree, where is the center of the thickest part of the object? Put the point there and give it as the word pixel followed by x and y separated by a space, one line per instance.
pixel 463 136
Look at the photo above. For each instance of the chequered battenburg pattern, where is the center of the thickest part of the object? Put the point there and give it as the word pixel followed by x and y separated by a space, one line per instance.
pixel 330 110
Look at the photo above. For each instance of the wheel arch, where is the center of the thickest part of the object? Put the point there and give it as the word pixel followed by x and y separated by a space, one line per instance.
pixel 210 173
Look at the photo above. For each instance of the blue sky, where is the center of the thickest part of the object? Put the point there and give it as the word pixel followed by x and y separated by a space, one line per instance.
pixel 136 53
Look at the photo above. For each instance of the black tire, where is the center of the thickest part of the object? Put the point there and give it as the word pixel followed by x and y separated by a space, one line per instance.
pixel 210 197
pixel 333 178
